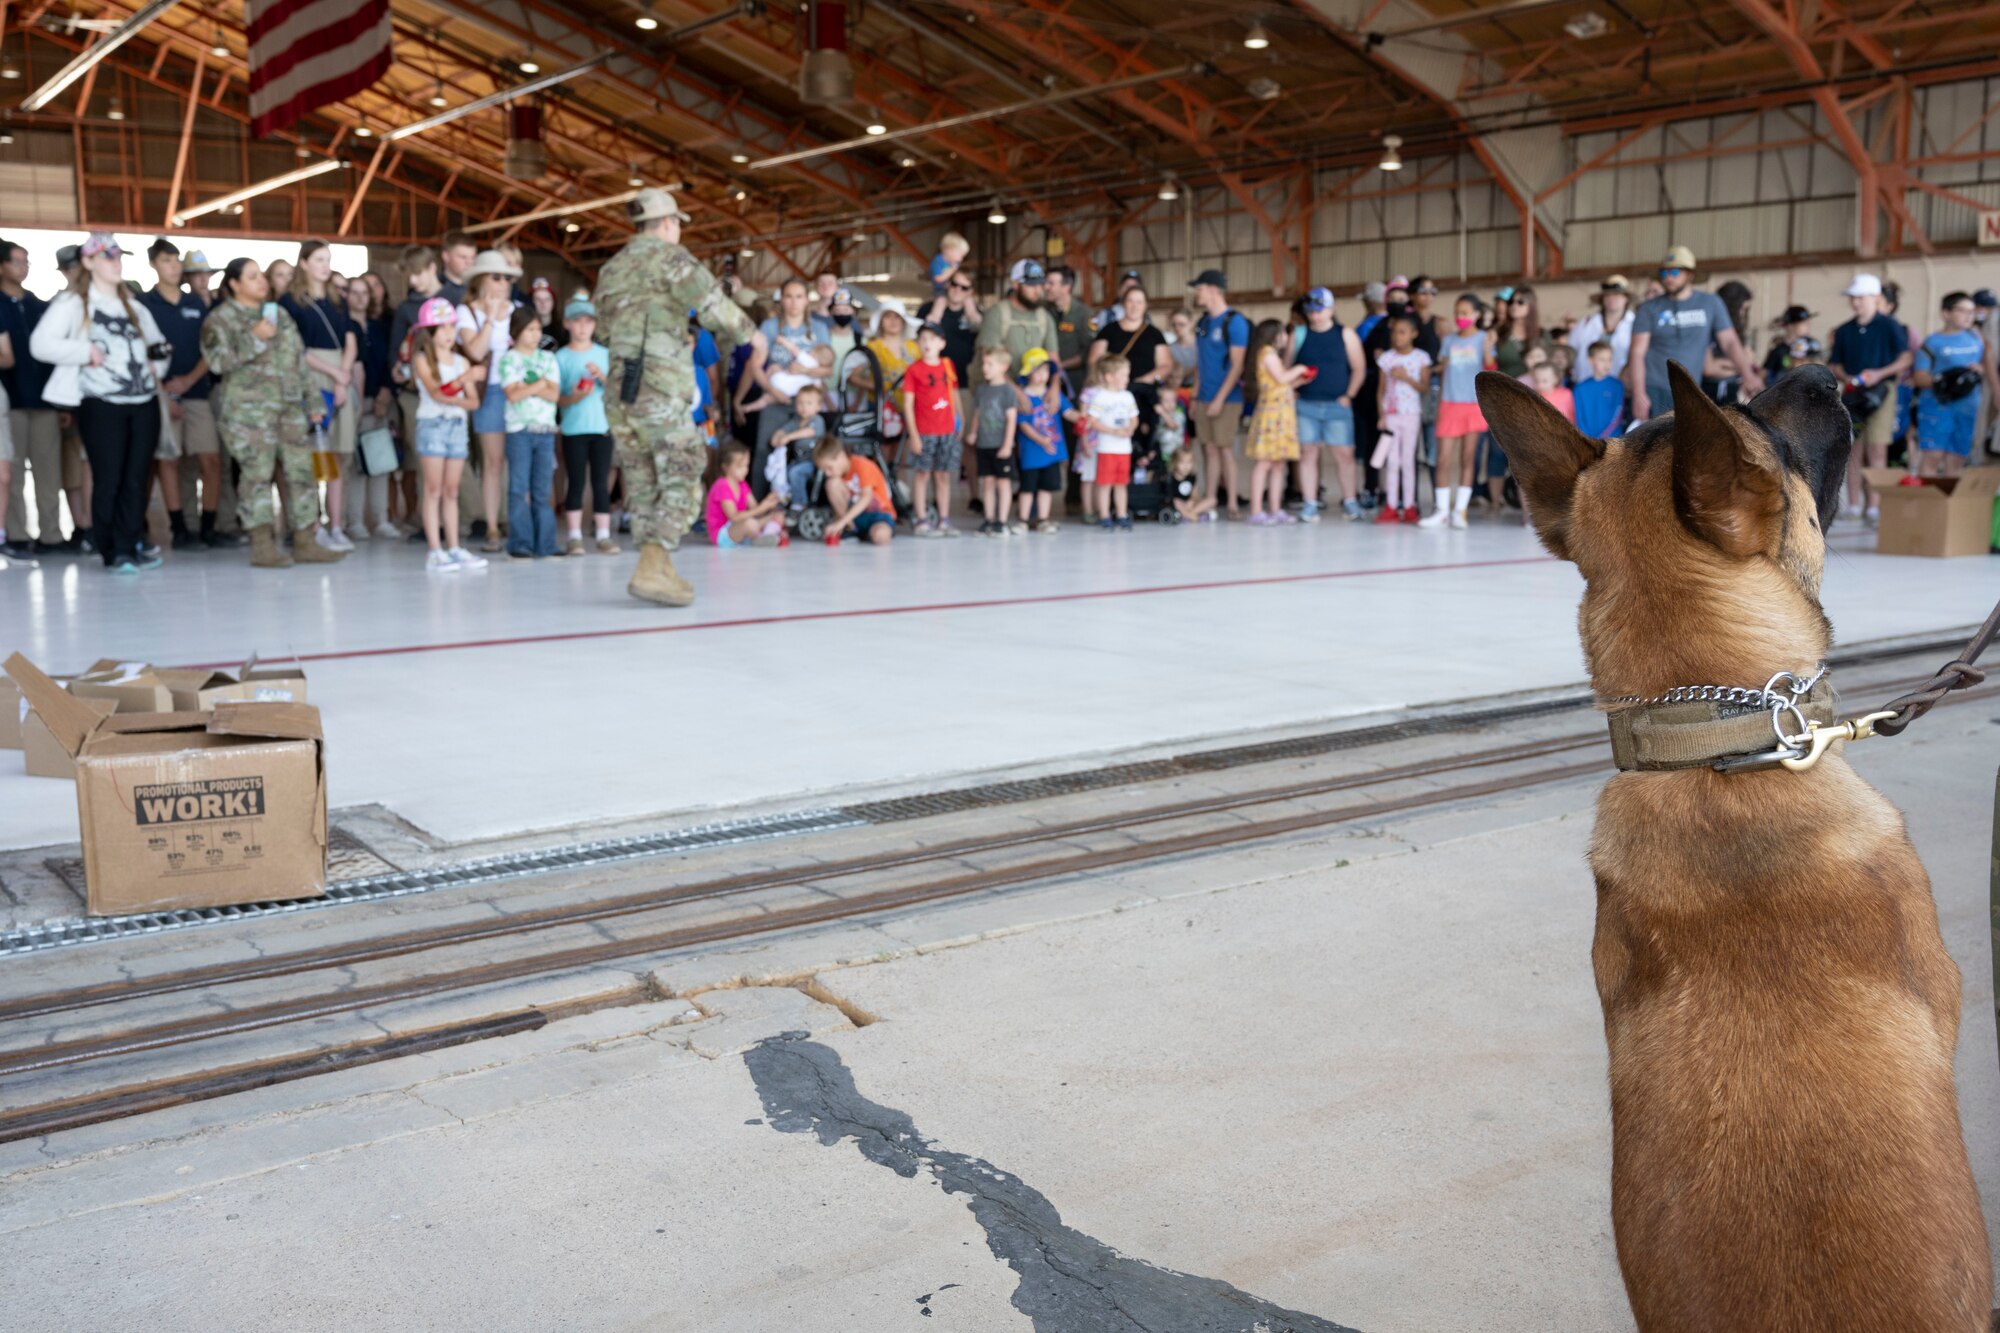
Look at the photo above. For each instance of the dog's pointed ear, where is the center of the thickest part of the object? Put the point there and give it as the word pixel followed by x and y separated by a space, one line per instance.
pixel 1728 489
pixel 1544 450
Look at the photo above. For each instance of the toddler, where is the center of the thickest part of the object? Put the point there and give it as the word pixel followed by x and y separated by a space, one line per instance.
pixel 1185 502
pixel 531 381
pixel 733 520
pixel 1041 435
pixel 793 482
pixel 1274 428
pixel 1460 423
pixel 1405 370
pixel 1549 385
pixel 858 494
pixel 1110 416
pixel 995 419
pixel 447 394
pixel 1600 396
pixel 930 405
pixel 952 250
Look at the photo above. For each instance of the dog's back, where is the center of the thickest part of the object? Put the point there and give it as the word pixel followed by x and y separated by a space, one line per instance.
pixel 1778 1004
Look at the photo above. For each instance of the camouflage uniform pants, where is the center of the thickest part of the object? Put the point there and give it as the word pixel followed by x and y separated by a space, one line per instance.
pixel 259 444
pixel 663 455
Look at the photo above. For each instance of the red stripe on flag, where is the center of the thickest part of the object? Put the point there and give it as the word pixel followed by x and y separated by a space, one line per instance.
pixel 319 94
pixel 279 63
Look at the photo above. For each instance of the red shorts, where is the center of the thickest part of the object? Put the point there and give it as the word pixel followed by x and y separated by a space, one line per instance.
pixel 1114 469
pixel 1456 419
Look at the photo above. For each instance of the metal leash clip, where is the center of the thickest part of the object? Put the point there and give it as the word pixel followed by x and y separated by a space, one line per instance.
pixel 1799 750
pixel 1820 735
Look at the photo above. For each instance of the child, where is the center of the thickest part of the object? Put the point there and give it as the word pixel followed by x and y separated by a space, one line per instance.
pixel 1563 358
pixel 531 381
pixel 1274 428
pixel 732 519
pixel 447 394
pixel 1041 435
pixel 952 250
pixel 1600 397
pixel 1400 403
pixel 792 483
pixel 793 380
pixel 1186 503
pixel 1548 384
pixel 586 434
pixel 1795 346
pixel 1110 416
pixel 1462 355
pixel 930 405
pixel 995 417
pixel 1948 374
pixel 858 493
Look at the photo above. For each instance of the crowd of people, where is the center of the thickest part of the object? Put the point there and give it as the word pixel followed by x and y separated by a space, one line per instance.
pixel 301 411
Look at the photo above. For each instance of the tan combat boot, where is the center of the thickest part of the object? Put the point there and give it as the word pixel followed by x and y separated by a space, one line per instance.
pixel 265 553
pixel 309 552
pixel 656 580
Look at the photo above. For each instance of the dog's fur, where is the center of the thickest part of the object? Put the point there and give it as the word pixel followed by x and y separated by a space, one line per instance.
pixel 1779 1006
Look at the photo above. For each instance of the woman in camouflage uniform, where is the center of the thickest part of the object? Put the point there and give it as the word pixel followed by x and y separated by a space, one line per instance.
pixel 262 405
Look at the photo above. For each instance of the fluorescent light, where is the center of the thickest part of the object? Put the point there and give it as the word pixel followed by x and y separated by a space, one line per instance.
pixel 89 57
pixel 558 211
pixel 235 201
pixel 1391 159
pixel 534 85
pixel 1258 39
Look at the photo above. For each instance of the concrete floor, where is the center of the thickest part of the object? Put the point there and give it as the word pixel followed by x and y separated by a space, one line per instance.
pixel 1356 1076
pixel 810 670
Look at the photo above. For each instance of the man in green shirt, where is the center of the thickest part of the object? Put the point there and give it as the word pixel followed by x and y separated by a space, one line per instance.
pixel 1020 320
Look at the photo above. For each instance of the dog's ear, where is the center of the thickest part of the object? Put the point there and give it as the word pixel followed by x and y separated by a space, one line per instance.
pixel 1728 487
pixel 1545 451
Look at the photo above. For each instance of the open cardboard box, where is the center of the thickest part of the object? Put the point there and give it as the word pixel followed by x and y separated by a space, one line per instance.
pixel 191 809
pixel 42 754
pixel 1945 516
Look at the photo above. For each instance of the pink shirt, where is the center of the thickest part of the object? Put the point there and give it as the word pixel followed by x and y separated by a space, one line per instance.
pixel 736 492
pixel 1563 400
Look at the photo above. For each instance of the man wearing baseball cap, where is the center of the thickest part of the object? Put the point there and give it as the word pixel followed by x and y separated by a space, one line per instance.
pixel 1326 404
pixel 1867 351
pixel 1021 320
pixel 643 297
pixel 1679 326
pixel 1222 336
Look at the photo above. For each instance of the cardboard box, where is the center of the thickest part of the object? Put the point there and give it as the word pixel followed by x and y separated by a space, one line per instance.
pixel 273 684
pixel 195 690
pixel 13 712
pixel 44 756
pixel 192 809
pixel 133 686
pixel 1945 516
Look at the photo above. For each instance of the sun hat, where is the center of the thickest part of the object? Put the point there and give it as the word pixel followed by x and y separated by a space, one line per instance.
pixel 195 262
pixel 652 204
pixel 1678 256
pixel 578 308
pixel 99 243
pixel 889 306
pixel 492 261
pixel 1864 284
pixel 1617 282
pixel 1034 356
pixel 436 311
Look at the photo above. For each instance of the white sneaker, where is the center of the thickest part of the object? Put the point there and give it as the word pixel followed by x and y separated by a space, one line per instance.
pixel 1458 519
pixel 1435 519
pixel 387 531
pixel 440 562
pixel 333 539
pixel 465 559
pixel 1873 516
pixel 1850 511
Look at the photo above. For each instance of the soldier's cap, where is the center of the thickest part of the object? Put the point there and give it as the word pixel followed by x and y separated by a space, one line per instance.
pixel 651 204
pixel 579 308
pixel 933 327
pixel 69 254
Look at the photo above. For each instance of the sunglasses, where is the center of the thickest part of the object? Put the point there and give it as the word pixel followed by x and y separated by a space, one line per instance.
pixel 961 286
pixel 1672 272
pixel 1427 291
pixel 1519 300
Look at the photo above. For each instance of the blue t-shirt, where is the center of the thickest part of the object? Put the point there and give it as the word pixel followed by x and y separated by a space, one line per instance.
pixel 1871 346
pixel 1948 351
pixel 938 266
pixel 1214 337
pixel 180 325
pixel 813 332
pixel 1327 353
pixel 586 415
pixel 1045 416
pixel 706 354
pixel 323 326
pixel 1600 406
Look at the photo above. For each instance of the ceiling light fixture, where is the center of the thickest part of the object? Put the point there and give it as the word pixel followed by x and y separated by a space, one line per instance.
pixel 117 111
pixel 739 158
pixel 635 180
pixel 741 195
pixel 362 131
pixel 219 49
pixel 1587 25
pixel 996 215
pixel 1169 191
pixel 646 22
pixel 437 96
pixel 571 226
pixel 609 201
pixel 1391 159
pixel 302 151
pixel 745 252
pixel 875 125
pixel 1264 90
pixel 1257 39
pixel 530 67
pixel 906 162
pixel 88 58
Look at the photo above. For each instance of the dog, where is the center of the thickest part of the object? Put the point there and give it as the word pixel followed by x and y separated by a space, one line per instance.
pixel 1778 1004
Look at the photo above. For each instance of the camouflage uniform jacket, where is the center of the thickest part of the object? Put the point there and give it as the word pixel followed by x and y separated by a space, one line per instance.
pixel 643 295
pixel 259 378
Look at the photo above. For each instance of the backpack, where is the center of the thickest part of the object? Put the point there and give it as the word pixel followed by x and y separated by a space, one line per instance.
pixel 1008 317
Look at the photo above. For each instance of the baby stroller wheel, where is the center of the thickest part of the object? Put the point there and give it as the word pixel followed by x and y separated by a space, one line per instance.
pixel 812 522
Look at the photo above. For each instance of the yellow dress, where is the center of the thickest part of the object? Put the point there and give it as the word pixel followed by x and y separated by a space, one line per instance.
pixel 1274 430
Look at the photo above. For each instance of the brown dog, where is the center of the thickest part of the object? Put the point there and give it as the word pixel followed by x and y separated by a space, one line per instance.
pixel 1779 1006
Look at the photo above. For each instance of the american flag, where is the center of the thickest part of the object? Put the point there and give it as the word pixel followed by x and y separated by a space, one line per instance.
pixel 306 53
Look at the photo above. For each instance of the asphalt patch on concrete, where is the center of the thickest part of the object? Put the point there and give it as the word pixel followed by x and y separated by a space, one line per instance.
pixel 1069 1282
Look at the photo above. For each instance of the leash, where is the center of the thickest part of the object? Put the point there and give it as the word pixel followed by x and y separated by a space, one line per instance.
pixel 1724 727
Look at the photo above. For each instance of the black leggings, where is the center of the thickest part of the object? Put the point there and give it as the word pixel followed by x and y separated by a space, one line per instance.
pixel 119 439
pixel 595 452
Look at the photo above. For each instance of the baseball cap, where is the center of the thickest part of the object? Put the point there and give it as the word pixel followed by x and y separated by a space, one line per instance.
pixel 1795 314
pixel 436 311
pixel 1678 256
pixel 540 285
pixel 841 296
pixel 1130 275
pixel 195 262
pixel 1034 356
pixel 931 326
pixel 652 204
pixel 1864 284
pixel 577 307
pixel 1211 277
pixel 1503 296
pixel 1375 291
pixel 1027 271
pixel 1985 299
pixel 1319 298
pixel 69 254
pixel 104 243
pixel 1399 283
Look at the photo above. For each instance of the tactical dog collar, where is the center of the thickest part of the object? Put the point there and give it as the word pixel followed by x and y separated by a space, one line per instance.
pixel 1727 727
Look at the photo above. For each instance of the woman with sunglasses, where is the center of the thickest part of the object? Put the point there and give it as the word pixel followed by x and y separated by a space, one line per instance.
pixel 1519 326
pixel 109 356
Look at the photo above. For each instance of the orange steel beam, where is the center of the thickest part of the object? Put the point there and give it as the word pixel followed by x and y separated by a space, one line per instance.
pixel 187 134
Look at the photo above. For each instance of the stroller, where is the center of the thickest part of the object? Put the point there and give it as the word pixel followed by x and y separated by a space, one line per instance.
pixel 858 426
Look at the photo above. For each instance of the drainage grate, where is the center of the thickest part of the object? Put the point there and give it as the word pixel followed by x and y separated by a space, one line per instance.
pixel 347 859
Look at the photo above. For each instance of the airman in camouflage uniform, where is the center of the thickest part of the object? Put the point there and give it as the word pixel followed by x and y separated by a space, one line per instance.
pixel 643 296
pixel 261 404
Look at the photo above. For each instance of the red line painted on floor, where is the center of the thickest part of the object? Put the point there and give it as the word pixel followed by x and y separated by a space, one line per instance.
pixel 580 635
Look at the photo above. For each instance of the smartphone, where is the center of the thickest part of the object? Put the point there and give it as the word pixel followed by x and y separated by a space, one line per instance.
pixel 270 312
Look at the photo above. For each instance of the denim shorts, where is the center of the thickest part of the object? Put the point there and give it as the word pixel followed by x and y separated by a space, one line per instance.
pixel 441 437
pixel 490 417
pixel 1324 421
pixel 863 522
